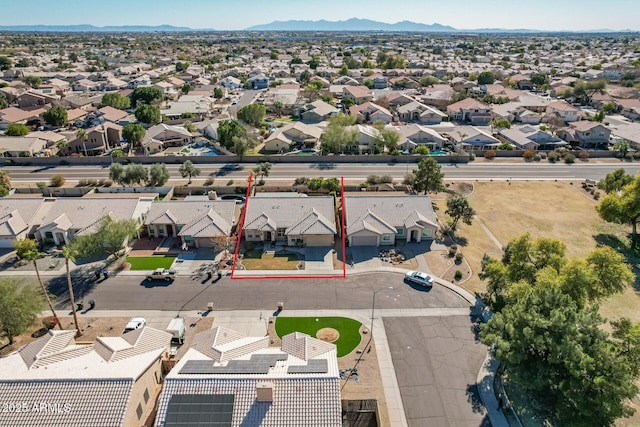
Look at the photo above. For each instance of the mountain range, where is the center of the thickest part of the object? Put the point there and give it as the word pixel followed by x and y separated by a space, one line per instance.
pixel 353 24
pixel 93 29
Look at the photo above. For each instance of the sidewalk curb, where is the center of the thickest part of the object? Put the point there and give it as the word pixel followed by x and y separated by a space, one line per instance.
pixel 485 379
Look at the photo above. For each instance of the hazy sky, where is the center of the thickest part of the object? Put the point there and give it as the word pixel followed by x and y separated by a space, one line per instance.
pixel 556 15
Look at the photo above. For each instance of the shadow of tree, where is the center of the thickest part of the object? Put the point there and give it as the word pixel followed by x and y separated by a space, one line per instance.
pixel 632 257
pixel 476 404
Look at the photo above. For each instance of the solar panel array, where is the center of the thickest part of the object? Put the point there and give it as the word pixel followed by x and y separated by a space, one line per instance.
pixel 199 410
pixel 312 367
pixel 258 364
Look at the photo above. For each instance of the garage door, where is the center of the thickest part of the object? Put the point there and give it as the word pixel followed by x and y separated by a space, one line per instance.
pixel 364 241
pixel 6 243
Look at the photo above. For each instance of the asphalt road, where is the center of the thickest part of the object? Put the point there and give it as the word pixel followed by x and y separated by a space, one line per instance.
pixel 193 293
pixel 351 171
pixel 437 360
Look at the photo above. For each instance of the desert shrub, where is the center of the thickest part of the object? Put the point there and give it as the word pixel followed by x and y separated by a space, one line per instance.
pixel 472 156
pixel 83 182
pixel 385 179
pixel 596 195
pixel 92 182
pixel 261 182
pixel 628 156
pixel 56 181
pixel 209 181
pixel 636 155
pixel 458 275
pixel 249 246
pixel 529 154
pixel 490 154
pixel 459 256
pixel 543 155
pixel 107 183
pixel 372 179
pixel 553 156
pixel 41 185
pixel 301 180
pixel 584 155
pixel 101 181
pixel 537 158
pixel 569 158
pixel 49 322
pixel 230 182
pixel 454 247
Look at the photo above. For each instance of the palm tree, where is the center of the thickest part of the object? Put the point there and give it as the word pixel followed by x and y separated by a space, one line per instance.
pixel 82 135
pixel 62 146
pixel 28 249
pixel 69 254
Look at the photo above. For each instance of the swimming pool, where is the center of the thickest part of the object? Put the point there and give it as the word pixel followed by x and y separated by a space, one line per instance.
pixel 439 153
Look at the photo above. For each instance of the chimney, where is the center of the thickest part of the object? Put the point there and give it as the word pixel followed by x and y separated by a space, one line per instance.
pixel 264 391
pixel 212 195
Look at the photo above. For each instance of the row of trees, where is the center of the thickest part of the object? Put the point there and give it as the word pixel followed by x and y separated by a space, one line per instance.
pixel 135 174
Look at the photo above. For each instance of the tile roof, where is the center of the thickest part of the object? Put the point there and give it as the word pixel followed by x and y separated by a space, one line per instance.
pixel 207 218
pixel 313 223
pixel 271 213
pixel 300 391
pixel 383 214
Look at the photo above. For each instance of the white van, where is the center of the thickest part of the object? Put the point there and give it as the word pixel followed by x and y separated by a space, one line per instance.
pixel 177 330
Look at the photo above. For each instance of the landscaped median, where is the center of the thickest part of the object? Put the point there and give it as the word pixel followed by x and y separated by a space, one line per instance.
pixel 348 330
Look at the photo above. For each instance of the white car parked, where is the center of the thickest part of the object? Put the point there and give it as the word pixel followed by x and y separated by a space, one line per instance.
pixel 419 278
pixel 135 323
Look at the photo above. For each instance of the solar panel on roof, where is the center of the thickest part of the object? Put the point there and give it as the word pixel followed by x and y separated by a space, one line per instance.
pixel 312 367
pixel 195 410
pixel 257 364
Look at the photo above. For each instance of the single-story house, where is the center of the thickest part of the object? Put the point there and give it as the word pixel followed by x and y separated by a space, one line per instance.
pixel 415 135
pixel 66 218
pixel 318 111
pixel 564 110
pixel 197 223
pixel 386 220
pixel 306 221
pixel 109 382
pixel 358 94
pixel 370 112
pixel 473 138
pixel 240 380
pixel 530 138
pixel 418 112
pixel 298 133
pixel 19 218
pixel 23 146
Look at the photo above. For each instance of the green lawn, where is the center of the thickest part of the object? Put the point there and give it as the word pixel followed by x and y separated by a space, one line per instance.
pixel 349 329
pixel 257 260
pixel 150 262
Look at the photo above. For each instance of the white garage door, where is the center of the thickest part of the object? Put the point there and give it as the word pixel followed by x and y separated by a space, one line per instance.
pixel 364 241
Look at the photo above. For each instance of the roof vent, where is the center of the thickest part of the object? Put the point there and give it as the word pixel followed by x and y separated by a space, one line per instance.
pixel 264 391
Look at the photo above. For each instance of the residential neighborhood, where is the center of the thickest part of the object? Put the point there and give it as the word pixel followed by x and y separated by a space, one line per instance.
pixel 203 227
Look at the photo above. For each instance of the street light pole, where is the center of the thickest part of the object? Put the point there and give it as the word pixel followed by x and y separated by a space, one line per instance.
pixel 373 307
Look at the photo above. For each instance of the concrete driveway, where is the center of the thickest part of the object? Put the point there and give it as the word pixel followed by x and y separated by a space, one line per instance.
pixel 436 360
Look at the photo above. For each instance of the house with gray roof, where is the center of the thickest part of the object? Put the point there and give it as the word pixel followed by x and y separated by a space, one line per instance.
pixel 197 223
pixel 19 217
pixel 385 220
pixel 530 138
pixel 59 382
pixel 241 381
pixel 295 221
pixel 66 218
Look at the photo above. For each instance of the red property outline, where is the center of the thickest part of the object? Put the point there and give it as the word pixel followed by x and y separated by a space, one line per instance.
pixel 240 230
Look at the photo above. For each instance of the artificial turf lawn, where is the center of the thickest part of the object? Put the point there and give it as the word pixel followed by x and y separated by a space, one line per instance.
pixel 349 329
pixel 149 262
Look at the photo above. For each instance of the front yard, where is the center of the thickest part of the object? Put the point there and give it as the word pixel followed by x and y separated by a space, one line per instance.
pixel 256 259
pixel 348 329
pixel 149 262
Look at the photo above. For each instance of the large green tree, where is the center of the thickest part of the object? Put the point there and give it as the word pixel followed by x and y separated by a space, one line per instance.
pixel 16 129
pixel 158 175
pixel 20 304
pixel 135 174
pixel 116 100
pixel 56 116
pixel 428 177
pixel 558 350
pixel 5 63
pixel 116 173
pixel 252 114
pixel 486 78
pixel 27 249
pixel 134 134
pixel 111 237
pixel 149 114
pixel 387 138
pixel 188 169
pixel 623 207
pixel 146 95
pixel 615 181
pixel 227 129
pixel 458 208
pixel 337 137
pixel 33 81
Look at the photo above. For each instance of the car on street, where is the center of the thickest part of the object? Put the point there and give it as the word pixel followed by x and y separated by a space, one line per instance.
pixel 135 323
pixel 420 278
pixel 162 274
